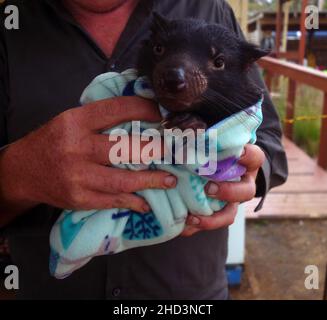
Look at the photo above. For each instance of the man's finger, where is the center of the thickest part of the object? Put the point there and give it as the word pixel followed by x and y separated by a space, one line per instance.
pixel 100 201
pixel 220 219
pixel 108 113
pixel 118 181
pixel 253 157
pixel 242 191
pixel 189 231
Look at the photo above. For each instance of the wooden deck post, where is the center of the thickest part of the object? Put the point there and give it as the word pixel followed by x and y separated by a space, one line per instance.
pixel 290 108
pixel 303 40
pixel 286 8
pixel 279 22
pixel 322 158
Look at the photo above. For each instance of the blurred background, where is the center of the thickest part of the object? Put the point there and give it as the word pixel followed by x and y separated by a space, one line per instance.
pixel 270 250
pixel 290 233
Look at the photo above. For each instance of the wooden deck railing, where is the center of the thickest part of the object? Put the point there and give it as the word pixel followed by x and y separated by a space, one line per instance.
pixel 298 74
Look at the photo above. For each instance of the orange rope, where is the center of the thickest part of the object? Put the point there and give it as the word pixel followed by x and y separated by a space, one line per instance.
pixel 305 118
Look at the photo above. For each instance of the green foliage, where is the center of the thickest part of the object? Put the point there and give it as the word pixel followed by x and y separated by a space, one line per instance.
pixel 308 103
pixel 255 5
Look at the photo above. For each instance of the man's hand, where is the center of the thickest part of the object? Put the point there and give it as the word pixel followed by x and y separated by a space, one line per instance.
pixel 63 163
pixel 232 192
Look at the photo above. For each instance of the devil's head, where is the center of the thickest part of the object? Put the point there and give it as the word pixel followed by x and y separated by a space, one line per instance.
pixel 187 59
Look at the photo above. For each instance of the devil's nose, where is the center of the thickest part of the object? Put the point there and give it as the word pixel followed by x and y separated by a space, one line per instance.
pixel 175 79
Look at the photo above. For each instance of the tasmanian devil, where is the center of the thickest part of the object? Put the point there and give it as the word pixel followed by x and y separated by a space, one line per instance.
pixel 199 71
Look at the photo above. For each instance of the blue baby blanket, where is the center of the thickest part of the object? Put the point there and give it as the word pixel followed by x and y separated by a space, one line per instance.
pixel 78 236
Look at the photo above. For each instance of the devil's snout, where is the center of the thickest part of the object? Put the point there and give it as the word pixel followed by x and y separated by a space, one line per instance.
pixel 174 80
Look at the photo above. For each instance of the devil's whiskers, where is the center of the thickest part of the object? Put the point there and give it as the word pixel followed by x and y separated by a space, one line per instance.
pixel 218 101
pixel 239 102
pixel 236 104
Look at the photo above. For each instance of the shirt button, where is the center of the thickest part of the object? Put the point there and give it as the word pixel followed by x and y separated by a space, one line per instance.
pixel 116 292
pixel 109 65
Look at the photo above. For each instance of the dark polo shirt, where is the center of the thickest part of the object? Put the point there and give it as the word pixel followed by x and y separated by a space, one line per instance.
pixel 44 67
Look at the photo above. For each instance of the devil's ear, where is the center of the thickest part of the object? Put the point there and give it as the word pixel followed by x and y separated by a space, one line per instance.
pixel 159 22
pixel 251 53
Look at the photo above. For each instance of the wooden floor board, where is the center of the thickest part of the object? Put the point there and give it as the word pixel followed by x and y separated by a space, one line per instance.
pixel 304 195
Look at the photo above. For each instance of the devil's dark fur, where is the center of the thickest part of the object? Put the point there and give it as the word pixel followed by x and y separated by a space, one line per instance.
pixel 196 49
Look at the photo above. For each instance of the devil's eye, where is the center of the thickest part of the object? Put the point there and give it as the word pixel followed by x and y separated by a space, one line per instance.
pixel 219 62
pixel 158 50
